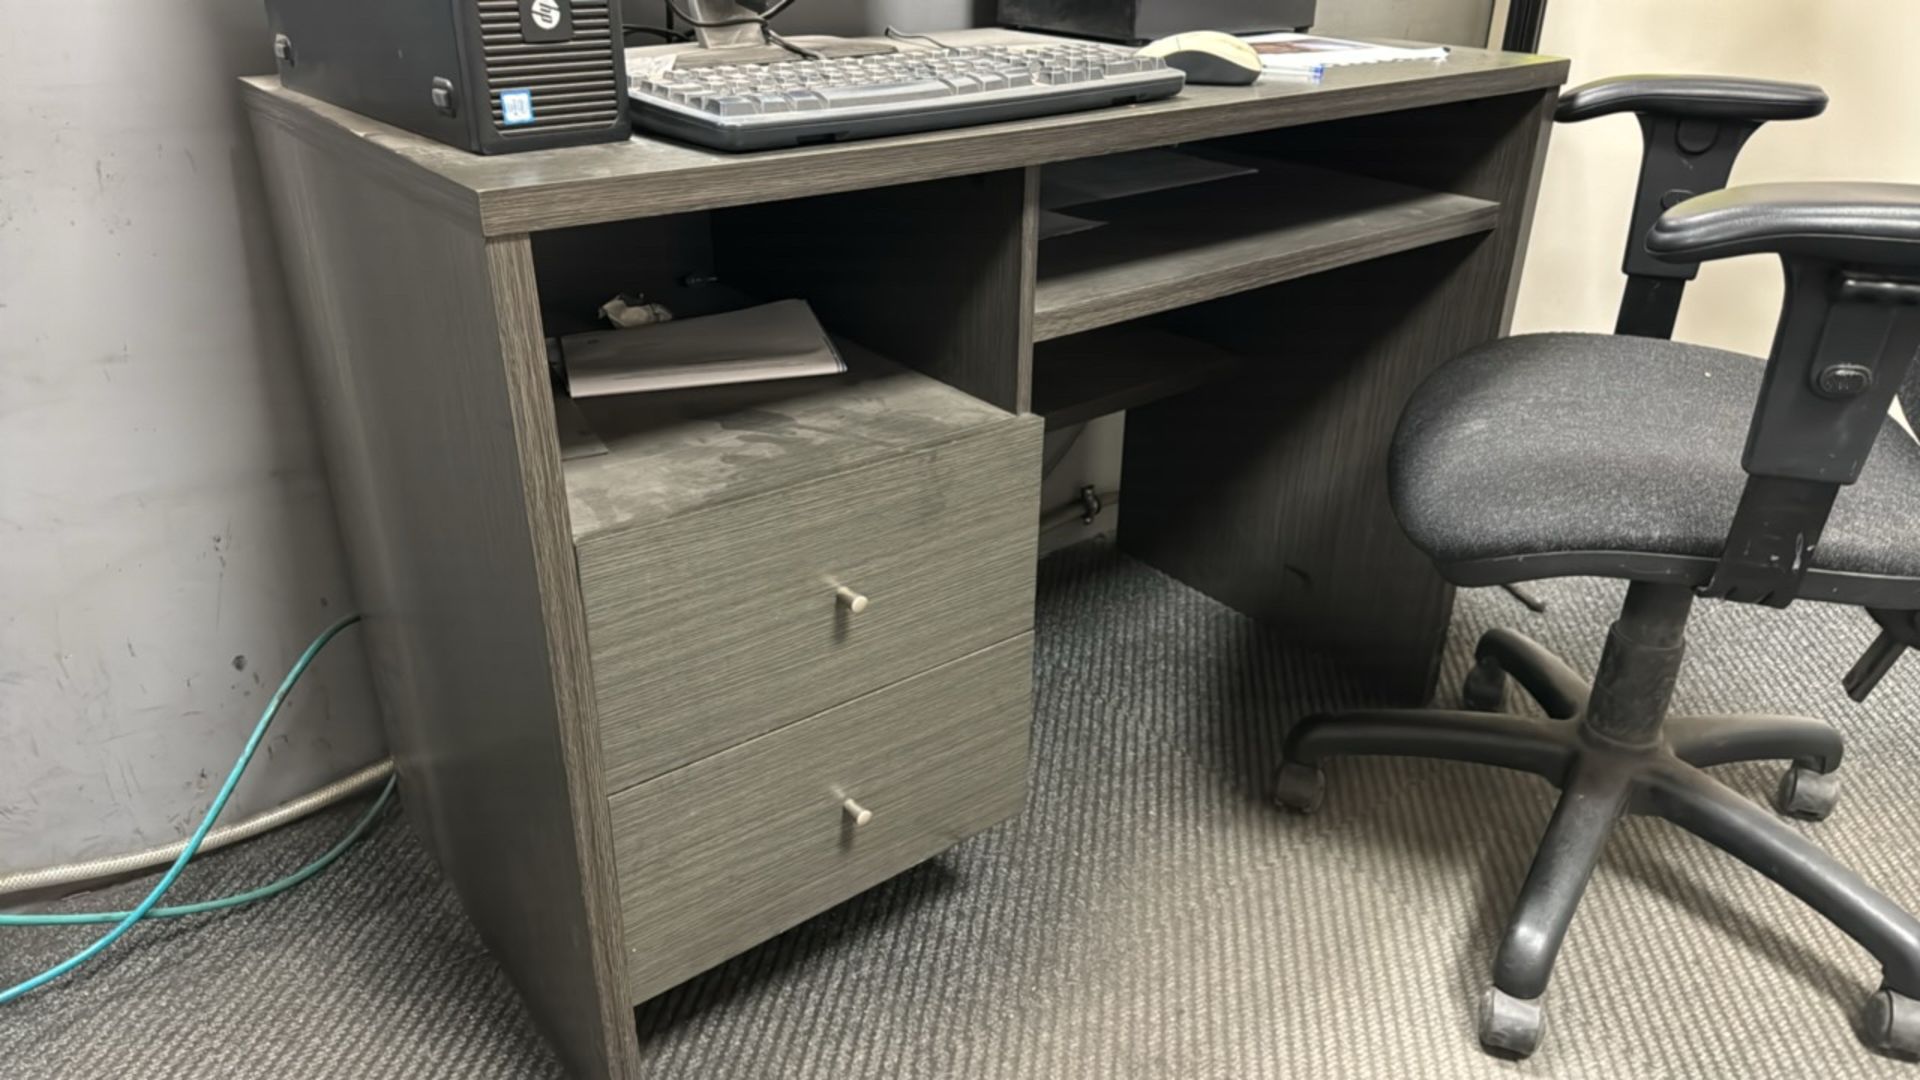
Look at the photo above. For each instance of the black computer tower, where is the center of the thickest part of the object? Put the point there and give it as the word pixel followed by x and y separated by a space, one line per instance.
pixel 1136 21
pixel 491 76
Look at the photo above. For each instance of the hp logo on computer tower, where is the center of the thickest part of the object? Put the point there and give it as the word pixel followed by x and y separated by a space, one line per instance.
pixel 546 20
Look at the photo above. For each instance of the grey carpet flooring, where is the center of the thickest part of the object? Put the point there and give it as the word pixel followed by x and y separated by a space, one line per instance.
pixel 1148 916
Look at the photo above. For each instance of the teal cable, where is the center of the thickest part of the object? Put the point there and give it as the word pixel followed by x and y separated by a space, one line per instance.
pixel 14 993
pixel 353 835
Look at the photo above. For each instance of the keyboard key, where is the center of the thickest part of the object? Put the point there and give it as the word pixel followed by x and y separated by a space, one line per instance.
pixel 843 97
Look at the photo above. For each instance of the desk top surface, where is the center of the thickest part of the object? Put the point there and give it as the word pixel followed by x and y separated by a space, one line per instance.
pixel 646 176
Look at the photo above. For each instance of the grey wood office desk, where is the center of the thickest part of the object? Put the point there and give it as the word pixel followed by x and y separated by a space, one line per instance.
pixel 656 704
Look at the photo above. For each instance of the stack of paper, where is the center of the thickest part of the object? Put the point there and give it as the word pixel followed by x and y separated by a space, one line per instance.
pixel 1311 54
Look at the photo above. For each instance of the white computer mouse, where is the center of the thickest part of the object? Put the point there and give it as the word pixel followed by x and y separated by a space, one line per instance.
pixel 1209 57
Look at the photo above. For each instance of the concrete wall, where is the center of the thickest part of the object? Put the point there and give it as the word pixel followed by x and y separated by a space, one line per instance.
pixel 166 544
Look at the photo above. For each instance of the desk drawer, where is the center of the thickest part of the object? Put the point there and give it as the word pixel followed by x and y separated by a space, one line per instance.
pixel 723 624
pixel 727 852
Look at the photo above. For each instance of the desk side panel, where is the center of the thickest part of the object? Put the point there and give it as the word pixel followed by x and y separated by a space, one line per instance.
pixel 425 368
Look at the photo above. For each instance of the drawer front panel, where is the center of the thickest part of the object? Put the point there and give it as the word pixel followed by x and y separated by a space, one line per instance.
pixel 727 852
pixel 713 628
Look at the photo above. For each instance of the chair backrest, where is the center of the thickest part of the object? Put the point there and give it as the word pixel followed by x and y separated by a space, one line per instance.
pixel 1692 128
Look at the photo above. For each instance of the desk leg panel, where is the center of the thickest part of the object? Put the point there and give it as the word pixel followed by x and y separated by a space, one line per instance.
pixel 1269 491
pixel 428 377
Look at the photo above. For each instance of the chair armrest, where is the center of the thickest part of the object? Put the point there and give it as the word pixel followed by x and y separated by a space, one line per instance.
pixel 1699 97
pixel 1861 225
pixel 1848 334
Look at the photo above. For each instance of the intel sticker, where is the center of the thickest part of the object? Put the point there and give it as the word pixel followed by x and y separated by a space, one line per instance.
pixel 516 107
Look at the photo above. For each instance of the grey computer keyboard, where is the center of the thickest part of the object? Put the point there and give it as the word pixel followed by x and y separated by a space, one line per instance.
pixel 798 103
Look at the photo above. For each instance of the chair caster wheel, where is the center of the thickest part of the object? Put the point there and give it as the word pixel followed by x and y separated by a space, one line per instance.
pixel 1485 689
pixel 1300 788
pixel 1510 1025
pixel 1807 794
pixel 1892 1023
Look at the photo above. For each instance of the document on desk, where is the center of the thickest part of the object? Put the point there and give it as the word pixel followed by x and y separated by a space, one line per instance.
pixel 781 340
pixel 1312 54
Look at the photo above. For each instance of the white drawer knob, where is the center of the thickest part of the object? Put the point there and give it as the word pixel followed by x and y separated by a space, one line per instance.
pixel 856 813
pixel 851 600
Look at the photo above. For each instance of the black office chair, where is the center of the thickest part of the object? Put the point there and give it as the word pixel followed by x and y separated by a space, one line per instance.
pixel 1689 472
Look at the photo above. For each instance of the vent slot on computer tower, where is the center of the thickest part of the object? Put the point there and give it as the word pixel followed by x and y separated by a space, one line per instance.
pixel 573 85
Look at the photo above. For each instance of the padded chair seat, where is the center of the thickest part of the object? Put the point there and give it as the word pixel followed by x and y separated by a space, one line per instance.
pixel 1558 443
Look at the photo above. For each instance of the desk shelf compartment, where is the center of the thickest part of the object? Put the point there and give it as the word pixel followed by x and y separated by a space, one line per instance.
pixel 1089 375
pixel 1187 245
